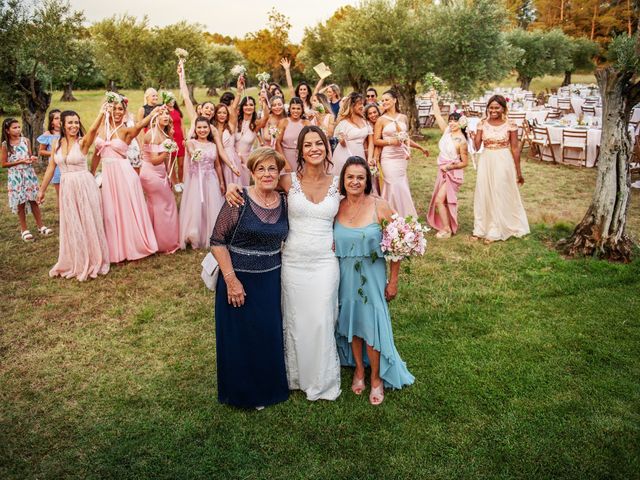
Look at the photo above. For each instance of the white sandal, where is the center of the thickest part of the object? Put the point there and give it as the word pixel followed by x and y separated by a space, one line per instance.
pixel 45 231
pixel 27 236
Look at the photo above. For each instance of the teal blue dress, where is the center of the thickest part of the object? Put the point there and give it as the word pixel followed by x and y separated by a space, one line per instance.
pixel 363 309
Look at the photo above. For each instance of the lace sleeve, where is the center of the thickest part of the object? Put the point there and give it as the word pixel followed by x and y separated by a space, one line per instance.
pixel 225 225
pixel 512 126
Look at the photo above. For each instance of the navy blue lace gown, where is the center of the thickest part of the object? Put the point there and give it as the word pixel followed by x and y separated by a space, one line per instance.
pixel 249 339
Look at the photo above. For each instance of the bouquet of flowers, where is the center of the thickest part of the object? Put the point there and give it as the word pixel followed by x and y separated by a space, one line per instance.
pixel 319 108
pixel 402 136
pixel 374 170
pixel 113 97
pixel 166 97
pixel 238 70
pixel 274 132
pixel 403 238
pixel 170 146
pixel 182 55
pixel 263 78
pixel 432 82
pixel 196 156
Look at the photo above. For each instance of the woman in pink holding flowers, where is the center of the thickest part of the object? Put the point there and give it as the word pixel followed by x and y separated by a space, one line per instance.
pixel 453 158
pixel 364 291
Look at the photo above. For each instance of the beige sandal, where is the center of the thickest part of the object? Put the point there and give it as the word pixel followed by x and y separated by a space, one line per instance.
pixel 376 397
pixel 27 236
pixel 357 385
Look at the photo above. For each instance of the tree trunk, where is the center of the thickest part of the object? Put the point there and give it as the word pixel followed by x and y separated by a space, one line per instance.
pixel 112 86
pixel 567 79
pixel 593 20
pixel 407 96
pixel 191 87
pixel 67 93
pixel 212 92
pixel 359 83
pixel 601 232
pixel 34 107
pixel 524 82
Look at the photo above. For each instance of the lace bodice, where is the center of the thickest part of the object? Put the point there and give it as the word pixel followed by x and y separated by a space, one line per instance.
pixel 497 137
pixel 75 161
pixel 207 160
pixel 311 224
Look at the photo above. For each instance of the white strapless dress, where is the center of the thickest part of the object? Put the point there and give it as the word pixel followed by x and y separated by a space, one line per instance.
pixel 310 280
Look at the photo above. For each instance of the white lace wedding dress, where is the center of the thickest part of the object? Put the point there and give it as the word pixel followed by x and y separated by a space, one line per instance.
pixel 310 279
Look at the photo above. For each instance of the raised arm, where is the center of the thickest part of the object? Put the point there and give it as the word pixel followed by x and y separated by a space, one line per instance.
pixel 90 136
pixel 318 86
pixel 184 91
pixel 233 108
pixel 286 64
pixel 261 122
pixel 132 132
pixel 435 108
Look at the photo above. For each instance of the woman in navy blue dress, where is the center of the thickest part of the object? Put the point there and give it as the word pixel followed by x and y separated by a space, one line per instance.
pixel 246 242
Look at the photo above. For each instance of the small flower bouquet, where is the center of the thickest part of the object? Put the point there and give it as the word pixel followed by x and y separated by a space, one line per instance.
pixel 263 78
pixel 197 154
pixel 239 70
pixel 374 170
pixel 402 136
pixel 274 132
pixel 112 97
pixel 403 238
pixel 182 54
pixel 170 146
pixel 319 108
pixel 432 82
pixel 166 97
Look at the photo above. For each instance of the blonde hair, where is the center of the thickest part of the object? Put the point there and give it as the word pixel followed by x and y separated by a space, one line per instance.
pixel 149 91
pixel 262 154
pixel 347 105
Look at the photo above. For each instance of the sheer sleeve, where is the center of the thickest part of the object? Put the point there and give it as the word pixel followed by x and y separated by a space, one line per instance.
pixel 512 126
pixel 225 225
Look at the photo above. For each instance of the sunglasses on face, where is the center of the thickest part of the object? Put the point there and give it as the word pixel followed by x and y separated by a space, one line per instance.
pixel 370 96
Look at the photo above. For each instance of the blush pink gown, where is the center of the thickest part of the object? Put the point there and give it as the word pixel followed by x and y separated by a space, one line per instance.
pixel 452 180
pixel 394 161
pixel 355 140
pixel 127 223
pixel 245 139
pixel 160 201
pixel 83 251
pixel 201 200
pixel 290 142
pixel 229 144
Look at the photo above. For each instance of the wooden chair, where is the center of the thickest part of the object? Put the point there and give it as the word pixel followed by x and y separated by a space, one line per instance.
pixel 519 118
pixel 589 111
pixel 527 135
pixel 445 109
pixel 542 142
pixel 554 114
pixel 574 140
pixel 564 104
pixel 424 112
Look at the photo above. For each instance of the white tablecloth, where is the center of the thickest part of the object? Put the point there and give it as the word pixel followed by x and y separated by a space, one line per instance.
pixel 576 102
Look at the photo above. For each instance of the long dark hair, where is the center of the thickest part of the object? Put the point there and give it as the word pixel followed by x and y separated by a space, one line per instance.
pixel 227 98
pixel 52 114
pixel 296 101
pixel 214 118
pixel 500 100
pixel 394 95
pixel 356 160
pixel 307 101
pixel 243 102
pixel 63 117
pixel 311 129
pixel 456 116
pixel 205 120
pixel 5 134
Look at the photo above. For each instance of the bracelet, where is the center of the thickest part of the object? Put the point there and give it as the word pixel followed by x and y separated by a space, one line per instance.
pixel 225 275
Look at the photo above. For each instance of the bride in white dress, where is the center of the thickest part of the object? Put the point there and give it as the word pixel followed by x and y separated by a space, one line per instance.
pixel 310 271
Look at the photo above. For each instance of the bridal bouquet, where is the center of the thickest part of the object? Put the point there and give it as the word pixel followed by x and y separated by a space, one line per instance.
pixel 274 132
pixel 170 146
pixel 432 82
pixel 166 97
pixel 238 70
pixel 113 97
pixel 182 54
pixel 374 170
pixel 263 78
pixel 196 156
pixel 403 238
pixel 319 108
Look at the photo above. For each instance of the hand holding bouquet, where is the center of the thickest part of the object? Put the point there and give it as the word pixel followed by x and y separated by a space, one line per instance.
pixel 403 238
pixel 182 55
pixel 170 146
pixel 196 156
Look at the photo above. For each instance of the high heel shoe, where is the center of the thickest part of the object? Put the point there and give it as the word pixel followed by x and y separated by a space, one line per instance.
pixel 376 397
pixel 357 385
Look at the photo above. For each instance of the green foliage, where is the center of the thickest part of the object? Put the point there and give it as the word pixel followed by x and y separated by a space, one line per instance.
pixel 220 59
pixel 583 51
pixel 624 53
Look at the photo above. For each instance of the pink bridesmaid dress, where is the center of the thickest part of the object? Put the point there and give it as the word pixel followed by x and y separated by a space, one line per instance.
pixel 394 160
pixel 244 145
pixel 201 199
pixel 355 140
pixel 83 251
pixel 290 142
pixel 229 144
pixel 160 201
pixel 127 223
pixel 452 180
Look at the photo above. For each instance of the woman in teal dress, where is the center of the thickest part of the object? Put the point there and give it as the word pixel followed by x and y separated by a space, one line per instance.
pixel 364 291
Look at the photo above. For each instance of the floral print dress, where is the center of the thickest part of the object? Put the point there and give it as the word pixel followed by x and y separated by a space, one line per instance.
pixel 22 180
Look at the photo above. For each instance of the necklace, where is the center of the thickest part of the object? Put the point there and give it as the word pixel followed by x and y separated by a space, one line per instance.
pixel 350 219
pixel 264 200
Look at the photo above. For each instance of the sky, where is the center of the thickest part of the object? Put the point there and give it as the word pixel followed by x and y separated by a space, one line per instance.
pixel 233 18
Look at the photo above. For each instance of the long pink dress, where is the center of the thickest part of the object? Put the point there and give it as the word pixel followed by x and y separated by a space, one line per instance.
pixel 290 142
pixel 355 139
pixel 245 139
pixel 452 180
pixel 394 160
pixel 127 224
pixel 229 144
pixel 160 201
pixel 201 199
pixel 83 249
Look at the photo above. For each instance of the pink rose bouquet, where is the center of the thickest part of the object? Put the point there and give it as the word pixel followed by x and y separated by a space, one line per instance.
pixel 403 238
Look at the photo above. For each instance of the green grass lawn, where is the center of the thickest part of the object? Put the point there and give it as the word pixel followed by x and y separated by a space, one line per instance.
pixel 527 365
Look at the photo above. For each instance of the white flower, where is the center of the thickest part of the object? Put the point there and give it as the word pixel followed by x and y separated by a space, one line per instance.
pixel 238 70
pixel 196 156
pixel 166 97
pixel 263 77
pixel 181 53
pixel 170 146
pixel 113 97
